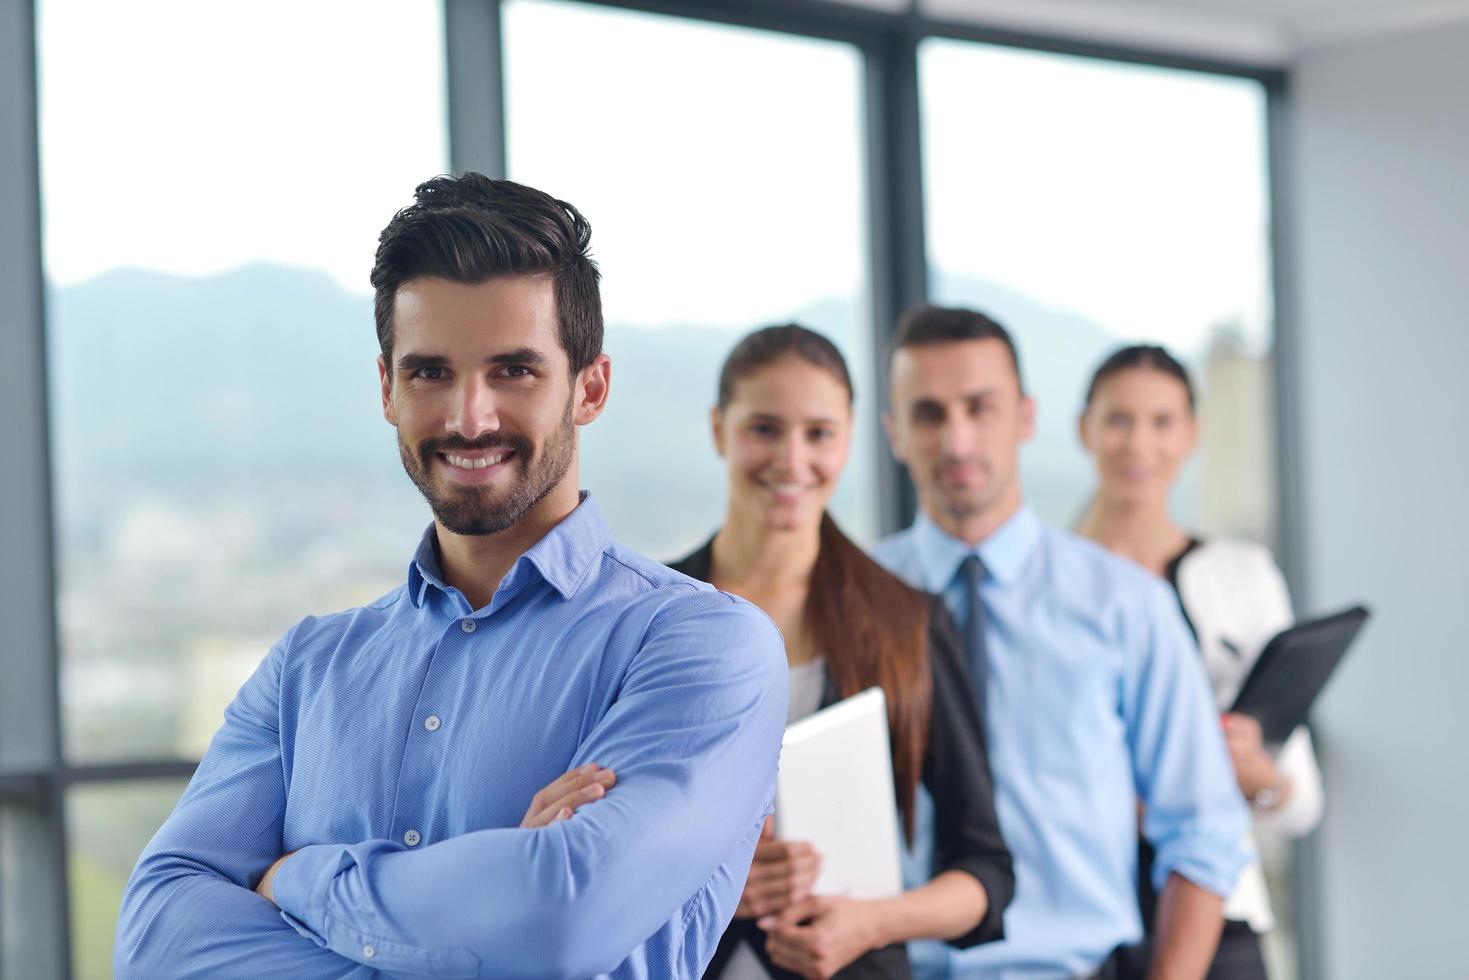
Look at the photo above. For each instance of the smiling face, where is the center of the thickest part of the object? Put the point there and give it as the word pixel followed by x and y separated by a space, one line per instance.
pixel 1140 430
pixel 784 435
pixel 957 422
pixel 481 393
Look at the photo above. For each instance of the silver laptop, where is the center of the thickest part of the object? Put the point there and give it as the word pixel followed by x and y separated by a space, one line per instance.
pixel 835 789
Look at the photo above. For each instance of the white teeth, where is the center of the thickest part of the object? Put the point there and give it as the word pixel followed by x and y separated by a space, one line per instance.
pixel 464 462
pixel 786 487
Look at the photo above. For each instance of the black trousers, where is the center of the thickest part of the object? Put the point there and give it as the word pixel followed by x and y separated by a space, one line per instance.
pixel 1239 957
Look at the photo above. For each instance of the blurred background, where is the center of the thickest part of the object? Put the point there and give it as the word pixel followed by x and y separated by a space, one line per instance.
pixel 194 456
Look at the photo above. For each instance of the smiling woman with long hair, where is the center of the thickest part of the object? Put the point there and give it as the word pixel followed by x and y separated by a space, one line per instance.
pixel 783 425
pixel 1140 427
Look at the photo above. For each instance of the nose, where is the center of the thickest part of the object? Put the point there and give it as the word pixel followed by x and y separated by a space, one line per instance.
pixel 474 412
pixel 792 453
pixel 956 438
pixel 1135 439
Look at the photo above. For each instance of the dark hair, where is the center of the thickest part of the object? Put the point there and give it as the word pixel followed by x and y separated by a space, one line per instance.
pixel 924 325
pixel 762 348
pixel 872 628
pixel 469 229
pixel 1140 356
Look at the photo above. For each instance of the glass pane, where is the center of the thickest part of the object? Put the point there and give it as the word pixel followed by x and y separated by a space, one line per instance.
pixel 108 824
pixel 221 464
pixel 721 171
pixel 1089 204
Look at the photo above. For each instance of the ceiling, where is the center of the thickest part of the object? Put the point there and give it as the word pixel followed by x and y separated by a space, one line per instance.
pixel 1265 32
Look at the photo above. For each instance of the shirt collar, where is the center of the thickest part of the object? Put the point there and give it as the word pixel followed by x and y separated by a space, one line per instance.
pixel 1004 552
pixel 564 557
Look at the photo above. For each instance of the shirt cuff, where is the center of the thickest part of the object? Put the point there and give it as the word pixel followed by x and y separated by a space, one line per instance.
pixel 999 886
pixel 300 887
pixel 1213 868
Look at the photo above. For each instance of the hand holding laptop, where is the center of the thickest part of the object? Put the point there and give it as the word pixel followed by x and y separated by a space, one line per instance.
pixel 781 875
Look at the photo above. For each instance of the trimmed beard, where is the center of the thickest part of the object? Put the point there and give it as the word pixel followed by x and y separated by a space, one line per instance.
pixel 475 510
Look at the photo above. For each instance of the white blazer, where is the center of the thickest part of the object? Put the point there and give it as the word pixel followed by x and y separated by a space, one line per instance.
pixel 1237 600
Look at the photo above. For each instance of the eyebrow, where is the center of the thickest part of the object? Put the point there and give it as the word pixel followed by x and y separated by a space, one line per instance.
pixel 813 420
pixel 412 362
pixel 968 396
pixel 522 355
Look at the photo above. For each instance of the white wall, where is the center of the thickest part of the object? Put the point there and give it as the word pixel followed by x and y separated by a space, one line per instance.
pixel 1379 210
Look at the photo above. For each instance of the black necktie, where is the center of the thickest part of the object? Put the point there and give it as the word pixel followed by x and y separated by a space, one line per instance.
pixel 972 572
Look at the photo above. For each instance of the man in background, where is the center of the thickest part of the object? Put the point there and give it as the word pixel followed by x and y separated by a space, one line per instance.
pixel 1090 682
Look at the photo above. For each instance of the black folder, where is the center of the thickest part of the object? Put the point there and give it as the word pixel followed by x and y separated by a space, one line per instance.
pixel 1292 670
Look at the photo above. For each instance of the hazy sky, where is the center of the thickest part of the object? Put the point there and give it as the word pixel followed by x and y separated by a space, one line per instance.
pixel 721 168
pixel 191 137
pixel 1134 195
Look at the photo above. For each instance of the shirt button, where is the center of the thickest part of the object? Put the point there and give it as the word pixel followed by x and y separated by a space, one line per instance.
pixel 368 952
pixel 411 838
pixel 467 625
pixel 432 723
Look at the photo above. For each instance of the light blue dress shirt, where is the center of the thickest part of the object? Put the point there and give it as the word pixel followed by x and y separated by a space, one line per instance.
pixel 395 748
pixel 1096 699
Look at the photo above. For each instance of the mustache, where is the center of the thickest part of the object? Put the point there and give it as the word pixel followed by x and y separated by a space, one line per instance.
pixel 449 443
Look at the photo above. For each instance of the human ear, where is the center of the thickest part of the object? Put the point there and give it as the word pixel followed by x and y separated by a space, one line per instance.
pixel 1027 418
pixel 1191 429
pixel 385 380
pixel 895 443
pixel 716 428
pixel 594 384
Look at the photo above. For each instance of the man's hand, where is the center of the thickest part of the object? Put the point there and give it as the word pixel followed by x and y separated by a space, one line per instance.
pixel 818 936
pixel 781 874
pixel 1254 769
pixel 267 879
pixel 560 799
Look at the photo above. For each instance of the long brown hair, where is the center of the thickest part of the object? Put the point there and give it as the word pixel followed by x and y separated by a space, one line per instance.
pixel 872 628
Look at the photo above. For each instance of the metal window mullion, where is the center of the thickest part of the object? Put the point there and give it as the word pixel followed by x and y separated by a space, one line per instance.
pixel 1290 501
pixel 898 250
pixel 476 79
pixel 34 838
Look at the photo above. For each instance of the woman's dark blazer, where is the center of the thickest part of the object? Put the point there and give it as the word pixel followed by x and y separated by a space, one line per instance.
pixel 956 772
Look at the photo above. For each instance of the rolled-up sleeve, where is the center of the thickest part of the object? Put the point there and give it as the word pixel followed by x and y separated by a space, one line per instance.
pixel 1194 815
pixel 956 771
pixel 693 736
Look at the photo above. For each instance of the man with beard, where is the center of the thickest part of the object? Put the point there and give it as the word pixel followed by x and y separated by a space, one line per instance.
pixel 1094 696
pixel 542 756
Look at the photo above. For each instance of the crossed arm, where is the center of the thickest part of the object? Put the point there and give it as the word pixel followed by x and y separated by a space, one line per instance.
pixel 559 800
pixel 570 898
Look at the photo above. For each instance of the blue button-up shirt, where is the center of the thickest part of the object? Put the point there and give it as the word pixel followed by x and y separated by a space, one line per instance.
pixel 395 748
pixel 1096 698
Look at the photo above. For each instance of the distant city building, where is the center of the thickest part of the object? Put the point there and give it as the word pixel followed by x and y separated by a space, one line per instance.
pixel 1237 493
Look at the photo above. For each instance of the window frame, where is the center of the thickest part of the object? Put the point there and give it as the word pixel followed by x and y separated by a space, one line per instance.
pixel 34 773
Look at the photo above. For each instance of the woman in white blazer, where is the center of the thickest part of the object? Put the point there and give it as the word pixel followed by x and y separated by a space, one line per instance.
pixel 1139 426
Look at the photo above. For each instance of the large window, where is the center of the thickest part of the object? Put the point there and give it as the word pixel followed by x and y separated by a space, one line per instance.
pixel 220 465
pixel 213 179
pixel 721 170
pixel 1089 204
